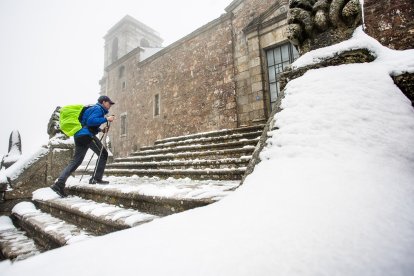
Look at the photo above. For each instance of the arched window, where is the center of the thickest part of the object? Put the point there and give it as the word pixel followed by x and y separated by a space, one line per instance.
pixel 114 49
pixel 144 43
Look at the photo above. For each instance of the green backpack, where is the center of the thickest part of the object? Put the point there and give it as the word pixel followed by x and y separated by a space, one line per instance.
pixel 70 118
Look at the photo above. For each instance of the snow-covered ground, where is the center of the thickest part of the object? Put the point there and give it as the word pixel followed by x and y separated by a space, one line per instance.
pixel 333 195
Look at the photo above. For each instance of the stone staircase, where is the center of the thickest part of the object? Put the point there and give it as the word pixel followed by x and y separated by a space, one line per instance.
pixel 174 175
pixel 220 155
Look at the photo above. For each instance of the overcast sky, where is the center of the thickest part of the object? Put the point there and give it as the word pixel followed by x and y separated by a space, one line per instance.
pixel 51 53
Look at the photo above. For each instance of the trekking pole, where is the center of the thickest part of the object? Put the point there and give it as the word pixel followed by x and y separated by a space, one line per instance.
pixel 93 153
pixel 100 153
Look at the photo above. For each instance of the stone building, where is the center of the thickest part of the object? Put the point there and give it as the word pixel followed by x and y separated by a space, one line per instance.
pixel 214 78
pixel 223 75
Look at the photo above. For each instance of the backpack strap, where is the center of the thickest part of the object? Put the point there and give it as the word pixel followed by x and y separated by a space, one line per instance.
pixel 82 112
pixel 91 129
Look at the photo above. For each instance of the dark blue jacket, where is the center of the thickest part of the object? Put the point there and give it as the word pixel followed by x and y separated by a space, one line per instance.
pixel 92 119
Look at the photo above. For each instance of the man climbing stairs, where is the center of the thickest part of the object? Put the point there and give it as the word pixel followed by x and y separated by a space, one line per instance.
pixel 174 175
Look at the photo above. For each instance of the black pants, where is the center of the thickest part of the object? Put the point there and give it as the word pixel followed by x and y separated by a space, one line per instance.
pixel 82 144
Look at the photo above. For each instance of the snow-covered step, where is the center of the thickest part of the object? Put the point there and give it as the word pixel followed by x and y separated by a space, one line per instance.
pixel 14 243
pixel 206 140
pixel 206 174
pixel 194 147
pixel 184 164
pixel 47 230
pixel 99 218
pixel 244 152
pixel 153 195
pixel 211 134
pixel 219 155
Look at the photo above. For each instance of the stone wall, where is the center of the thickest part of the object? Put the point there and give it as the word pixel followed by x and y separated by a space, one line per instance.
pixel 193 79
pixel 39 171
pixel 390 22
pixel 248 55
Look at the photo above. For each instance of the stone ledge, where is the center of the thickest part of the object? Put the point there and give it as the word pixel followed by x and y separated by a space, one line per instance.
pixel 98 224
pixel 211 174
pixel 196 164
pixel 48 231
pixel 347 57
pixel 242 143
pixel 211 134
pixel 202 140
pixel 156 205
pixel 15 245
pixel 189 155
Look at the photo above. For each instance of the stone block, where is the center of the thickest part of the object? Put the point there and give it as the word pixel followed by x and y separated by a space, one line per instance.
pixel 256 78
pixel 276 35
pixel 244 118
pixel 242 100
pixel 243 75
pixel 254 44
pixel 58 159
pixel 242 59
pixel 259 108
pixel 258 86
pixel 257 115
pixel 242 67
pixel 231 105
pixel 254 62
pixel 255 70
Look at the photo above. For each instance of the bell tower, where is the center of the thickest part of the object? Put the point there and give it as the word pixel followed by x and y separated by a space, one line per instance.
pixel 127 35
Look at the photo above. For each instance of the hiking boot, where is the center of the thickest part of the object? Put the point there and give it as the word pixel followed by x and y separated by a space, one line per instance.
pixel 59 190
pixel 98 181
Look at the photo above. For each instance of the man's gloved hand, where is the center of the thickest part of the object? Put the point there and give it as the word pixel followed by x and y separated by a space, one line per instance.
pixel 111 118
